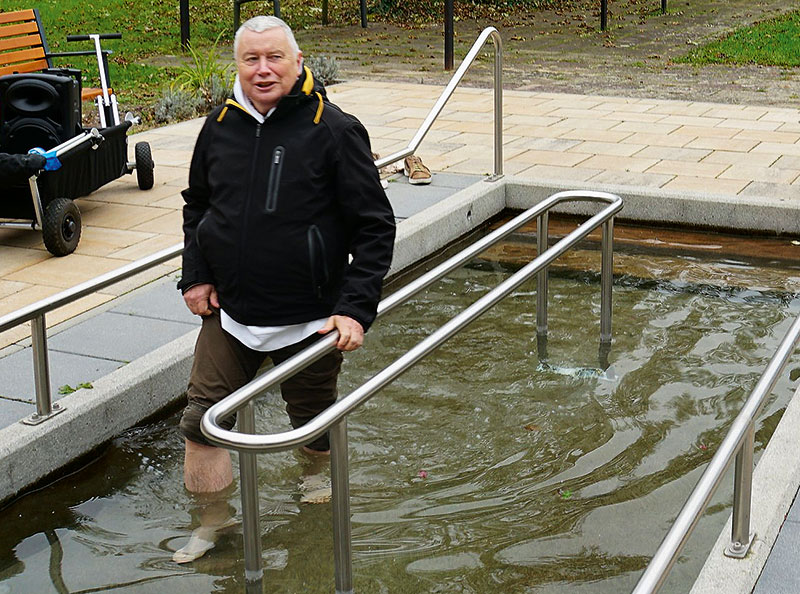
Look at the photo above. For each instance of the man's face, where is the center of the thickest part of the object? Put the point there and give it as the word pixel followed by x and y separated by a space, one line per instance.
pixel 267 67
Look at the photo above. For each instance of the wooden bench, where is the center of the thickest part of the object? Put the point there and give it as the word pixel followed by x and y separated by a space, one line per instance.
pixel 23 47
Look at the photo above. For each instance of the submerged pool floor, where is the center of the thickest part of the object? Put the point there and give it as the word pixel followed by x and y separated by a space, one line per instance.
pixel 484 469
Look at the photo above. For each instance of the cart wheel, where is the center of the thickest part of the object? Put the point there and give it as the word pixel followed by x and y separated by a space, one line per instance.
pixel 144 165
pixel 61 228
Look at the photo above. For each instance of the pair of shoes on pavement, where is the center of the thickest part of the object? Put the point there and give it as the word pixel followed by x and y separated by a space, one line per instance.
pixel 416 171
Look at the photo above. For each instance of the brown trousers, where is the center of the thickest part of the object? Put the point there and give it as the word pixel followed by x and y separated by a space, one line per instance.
pixel 222 365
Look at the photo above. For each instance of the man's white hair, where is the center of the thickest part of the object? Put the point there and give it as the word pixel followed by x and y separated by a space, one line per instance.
pixel 259 24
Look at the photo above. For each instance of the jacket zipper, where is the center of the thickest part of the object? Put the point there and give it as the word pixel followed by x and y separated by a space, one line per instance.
pixel 274 179
pixel 246 210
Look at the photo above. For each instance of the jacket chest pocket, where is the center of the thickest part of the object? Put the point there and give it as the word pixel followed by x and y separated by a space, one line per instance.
pixel 275 168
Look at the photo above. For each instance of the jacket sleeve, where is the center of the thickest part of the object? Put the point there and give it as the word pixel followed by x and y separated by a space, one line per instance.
pixel 196 197
pixel 371 226
pixel 17 167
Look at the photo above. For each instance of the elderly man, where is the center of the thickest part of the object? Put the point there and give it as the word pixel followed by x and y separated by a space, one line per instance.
pixel 288 235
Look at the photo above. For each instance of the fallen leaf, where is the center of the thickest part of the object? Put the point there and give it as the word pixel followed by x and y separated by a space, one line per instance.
pixel 422 474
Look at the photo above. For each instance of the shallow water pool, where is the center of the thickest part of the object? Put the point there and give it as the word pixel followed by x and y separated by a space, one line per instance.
pixel 484 469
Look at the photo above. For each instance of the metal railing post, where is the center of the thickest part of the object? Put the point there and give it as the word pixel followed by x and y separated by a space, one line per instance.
pixel 606 280
pixel 248 472
pixel 741 538
pixel 498 108
pixel 542 234
pixel 340 498
pixel 41 374
pixel 488 32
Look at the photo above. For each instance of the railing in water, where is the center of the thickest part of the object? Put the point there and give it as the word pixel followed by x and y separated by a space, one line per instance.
pixel 486 34
pixel 334 419
pixel 738 442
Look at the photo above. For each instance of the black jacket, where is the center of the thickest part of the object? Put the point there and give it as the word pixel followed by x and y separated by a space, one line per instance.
pixel 273 210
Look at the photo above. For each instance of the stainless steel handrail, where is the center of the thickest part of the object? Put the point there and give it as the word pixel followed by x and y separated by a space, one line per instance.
pixel 333 419
pixel 486 34
pixel 35 313
pixel 738 442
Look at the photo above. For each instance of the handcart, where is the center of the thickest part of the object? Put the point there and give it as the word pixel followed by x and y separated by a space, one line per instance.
pixel 86 161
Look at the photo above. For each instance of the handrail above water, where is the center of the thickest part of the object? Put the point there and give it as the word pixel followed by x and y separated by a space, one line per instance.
pixel 334 418
pixel 210 424
pixel 469 59
pixel 738 442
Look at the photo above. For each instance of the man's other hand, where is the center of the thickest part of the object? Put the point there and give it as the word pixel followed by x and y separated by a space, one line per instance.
pixel 201 298
pixel 351 333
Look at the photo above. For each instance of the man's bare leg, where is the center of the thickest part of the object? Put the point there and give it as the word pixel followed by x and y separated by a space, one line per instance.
pixel 208 474
pixel 206 469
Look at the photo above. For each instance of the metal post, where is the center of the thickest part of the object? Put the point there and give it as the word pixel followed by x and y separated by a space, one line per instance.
pixel 741 538
pixel 324 12
pixel 606 280
pixel 364 13
pixel 603 15
pixel 340 492
pixel 448 35
pixel 248 472
pixel 41 374
pixel 277 7
pixel 184 5
pixel 541 276
pixel 663 6
pixel 236 16
pixel 498 107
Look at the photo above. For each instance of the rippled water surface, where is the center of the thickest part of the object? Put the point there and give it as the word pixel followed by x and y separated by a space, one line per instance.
pixel 481 470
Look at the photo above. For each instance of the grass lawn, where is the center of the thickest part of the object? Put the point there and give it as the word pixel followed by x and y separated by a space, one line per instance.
pixel 775 42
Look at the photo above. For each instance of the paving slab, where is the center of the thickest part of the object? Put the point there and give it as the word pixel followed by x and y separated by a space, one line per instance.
pixel 12 411
pixel 117 337
pixel 65 369
pixel 160 301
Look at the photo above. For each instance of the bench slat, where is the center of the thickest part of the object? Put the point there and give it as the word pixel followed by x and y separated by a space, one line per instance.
pixel 17 15
pixel 18 42
pixel 26 55
pixel 18 29
pixel 24 67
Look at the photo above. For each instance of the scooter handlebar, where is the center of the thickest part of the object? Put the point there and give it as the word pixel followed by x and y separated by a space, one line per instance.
pixel 101 36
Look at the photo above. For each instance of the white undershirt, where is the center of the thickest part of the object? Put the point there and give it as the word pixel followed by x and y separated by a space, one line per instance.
pixel 265 338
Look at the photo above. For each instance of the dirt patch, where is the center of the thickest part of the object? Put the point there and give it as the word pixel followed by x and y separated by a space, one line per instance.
pixel 565 51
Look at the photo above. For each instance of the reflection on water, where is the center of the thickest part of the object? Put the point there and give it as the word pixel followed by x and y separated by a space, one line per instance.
pixel 484 469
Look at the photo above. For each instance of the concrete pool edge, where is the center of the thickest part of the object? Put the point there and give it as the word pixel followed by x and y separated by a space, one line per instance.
pixel 775 216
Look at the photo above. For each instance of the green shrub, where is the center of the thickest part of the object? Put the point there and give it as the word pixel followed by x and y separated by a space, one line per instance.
pixel 208 77
pixel 325 69
pixel 176 105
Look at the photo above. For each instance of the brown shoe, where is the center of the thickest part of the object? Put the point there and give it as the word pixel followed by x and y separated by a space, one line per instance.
pixel 416 172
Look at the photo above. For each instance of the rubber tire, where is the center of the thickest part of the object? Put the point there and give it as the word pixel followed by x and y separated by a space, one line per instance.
pixel 61 227
pixel 144 165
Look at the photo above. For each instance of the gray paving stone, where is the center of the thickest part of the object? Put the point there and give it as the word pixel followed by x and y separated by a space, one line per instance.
pixel 160 300
pixel 65 369
pixel 409 200
pixel 794 512
pixel 780 575
pixel 118 337
pixel 12 411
